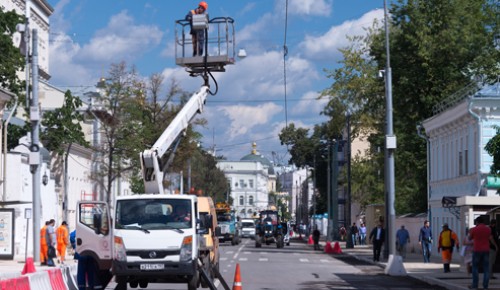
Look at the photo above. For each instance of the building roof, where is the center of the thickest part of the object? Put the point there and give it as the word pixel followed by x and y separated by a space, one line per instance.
pixel 256 156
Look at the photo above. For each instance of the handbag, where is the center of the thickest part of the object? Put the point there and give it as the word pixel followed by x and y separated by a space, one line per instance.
pixel 52 252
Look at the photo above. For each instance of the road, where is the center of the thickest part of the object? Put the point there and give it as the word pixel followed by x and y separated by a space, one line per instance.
pixel 298 267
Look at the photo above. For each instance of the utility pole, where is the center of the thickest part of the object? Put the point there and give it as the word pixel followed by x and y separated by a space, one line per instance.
pixel 395 265
pixel 350 243
pixel 34 157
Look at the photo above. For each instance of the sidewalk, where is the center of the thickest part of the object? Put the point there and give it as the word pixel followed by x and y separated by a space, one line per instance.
pixel 13 268
pixel 431 273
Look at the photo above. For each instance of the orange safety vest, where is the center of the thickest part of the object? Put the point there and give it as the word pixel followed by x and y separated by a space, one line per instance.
pixel 43 232
pixel 62 235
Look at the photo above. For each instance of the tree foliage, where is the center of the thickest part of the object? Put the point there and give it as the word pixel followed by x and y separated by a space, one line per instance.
pixel 62 125
pixel 436 48
pixel 12 61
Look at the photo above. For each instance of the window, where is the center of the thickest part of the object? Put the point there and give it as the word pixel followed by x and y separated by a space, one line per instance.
pixel 94 216
pixel 460 161
pixel 250 200
pixel 466 163
pixel 250 182
pixel 241 200
pixel 242 183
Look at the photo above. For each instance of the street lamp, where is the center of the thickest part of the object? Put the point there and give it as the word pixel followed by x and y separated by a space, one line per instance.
pixel 395 263
pixel 45 179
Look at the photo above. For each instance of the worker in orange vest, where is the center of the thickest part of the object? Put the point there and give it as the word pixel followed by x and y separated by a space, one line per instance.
pixel 198 36
pixel 62 241
pixel 44 248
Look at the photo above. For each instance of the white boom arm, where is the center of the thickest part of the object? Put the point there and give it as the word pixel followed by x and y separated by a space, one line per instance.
pixel 150 159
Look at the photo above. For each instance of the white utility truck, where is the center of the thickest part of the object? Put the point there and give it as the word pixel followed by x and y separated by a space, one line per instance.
pixel 157 237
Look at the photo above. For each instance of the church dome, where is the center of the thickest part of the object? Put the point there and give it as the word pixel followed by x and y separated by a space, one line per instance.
pixel 256 156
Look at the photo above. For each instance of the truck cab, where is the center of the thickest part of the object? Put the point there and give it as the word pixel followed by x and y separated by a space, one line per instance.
pixel 228 223
pixel 171 226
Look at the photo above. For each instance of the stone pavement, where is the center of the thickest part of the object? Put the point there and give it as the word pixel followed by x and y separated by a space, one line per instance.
pixel 432 273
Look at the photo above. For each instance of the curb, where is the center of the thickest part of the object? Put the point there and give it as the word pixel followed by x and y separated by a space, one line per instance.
pixel 423 278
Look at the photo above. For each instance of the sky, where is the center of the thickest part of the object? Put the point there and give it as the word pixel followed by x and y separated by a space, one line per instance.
pixel 87 36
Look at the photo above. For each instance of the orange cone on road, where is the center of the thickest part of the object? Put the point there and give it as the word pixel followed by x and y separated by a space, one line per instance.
pixel 29 266
pixel 328 248
pixel 337 249
pixel 310 241
pixel 237 279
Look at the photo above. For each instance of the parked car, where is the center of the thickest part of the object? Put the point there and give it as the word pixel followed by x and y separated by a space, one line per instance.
pixel 248 228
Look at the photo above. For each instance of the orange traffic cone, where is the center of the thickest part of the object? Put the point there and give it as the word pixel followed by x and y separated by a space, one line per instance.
pixel 29 266
pixel 237 279
pixel 328 248
pixel 310 241
pixel 337 249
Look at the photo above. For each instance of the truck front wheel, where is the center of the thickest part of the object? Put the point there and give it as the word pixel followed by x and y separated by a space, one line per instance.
pixel 193 281
pixel 121 282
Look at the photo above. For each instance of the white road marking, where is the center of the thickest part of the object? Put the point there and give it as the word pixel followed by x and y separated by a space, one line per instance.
pixel 263 259
pixel 304 260
pixel 243 259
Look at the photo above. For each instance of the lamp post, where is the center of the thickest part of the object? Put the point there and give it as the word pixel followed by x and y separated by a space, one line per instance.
pixel 350 242
pixel 395 264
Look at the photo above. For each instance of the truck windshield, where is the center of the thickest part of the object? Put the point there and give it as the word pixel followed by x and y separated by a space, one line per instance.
pixel 153 214
pixel 223 217
pixel 247 225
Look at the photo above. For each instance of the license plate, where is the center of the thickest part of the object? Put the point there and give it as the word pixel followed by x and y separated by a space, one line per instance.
pixel 149 267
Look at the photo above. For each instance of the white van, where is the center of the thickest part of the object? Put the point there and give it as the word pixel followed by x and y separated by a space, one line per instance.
pixel 248 228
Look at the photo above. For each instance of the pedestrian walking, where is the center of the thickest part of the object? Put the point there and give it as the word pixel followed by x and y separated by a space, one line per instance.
pixel 481 238
pixel 402 239
pixel 62 241
pixel 354 233
pixel 197 36
pixel 448 239
pixel 50 236
pixel 44 248
pixel 425 240
pixel 493 251
pixel 466 252
pixel 315 235
pixel 342 233
pixel 362 234
pixel 377 238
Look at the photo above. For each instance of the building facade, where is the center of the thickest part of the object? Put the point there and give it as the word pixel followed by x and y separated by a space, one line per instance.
pixel 461 187
pixel 250 179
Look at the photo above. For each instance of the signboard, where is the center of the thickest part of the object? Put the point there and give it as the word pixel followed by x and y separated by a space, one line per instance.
pixel 7 234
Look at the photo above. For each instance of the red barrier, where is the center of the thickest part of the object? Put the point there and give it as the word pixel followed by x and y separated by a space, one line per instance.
pixel 56 279
pixel 23 283
pixel 20 283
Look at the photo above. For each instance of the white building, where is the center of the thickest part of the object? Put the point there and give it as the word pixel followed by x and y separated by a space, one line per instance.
pixel 299 186
pixel 59 191
pixel 460 184
pixel 251 179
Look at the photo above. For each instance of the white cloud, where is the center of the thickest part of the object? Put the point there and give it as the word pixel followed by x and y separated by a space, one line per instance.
pixel 310 7
pixel 121 40
pixel 326 46
pixel 309 105
pixel 244 118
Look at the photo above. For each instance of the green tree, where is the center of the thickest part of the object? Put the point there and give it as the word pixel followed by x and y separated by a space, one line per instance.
pixel 62 126
pixel 12 61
